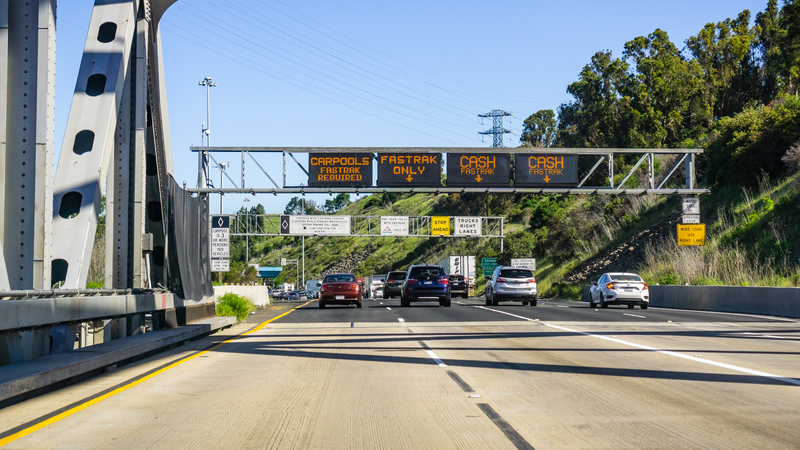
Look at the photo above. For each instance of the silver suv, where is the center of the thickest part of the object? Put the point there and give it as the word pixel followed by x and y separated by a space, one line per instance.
pixel 511 284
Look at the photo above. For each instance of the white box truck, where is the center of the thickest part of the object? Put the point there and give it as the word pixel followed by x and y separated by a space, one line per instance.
pixel 461 265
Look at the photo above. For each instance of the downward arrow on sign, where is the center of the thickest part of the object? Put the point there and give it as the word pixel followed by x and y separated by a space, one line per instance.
pixel 409 178
pixel 478 178
pixel 546 179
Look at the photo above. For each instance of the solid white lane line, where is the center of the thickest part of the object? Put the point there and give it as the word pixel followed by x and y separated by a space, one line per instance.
pixel 634 315
pixel 779 319
pixel 663 352
pixel 763 335
pixel 435 358
pixel 507 313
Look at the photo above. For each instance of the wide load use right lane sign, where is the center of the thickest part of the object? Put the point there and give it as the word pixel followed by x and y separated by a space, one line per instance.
pixel 692 234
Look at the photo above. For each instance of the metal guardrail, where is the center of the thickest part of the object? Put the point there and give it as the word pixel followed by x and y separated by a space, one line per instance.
pixel 47 293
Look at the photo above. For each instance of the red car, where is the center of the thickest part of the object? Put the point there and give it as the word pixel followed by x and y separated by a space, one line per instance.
pixel 340 289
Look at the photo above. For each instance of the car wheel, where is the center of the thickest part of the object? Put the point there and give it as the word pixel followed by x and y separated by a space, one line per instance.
pixel 404 302
pixel 495 300
pixel 358 305
pixel 524 303
pixel 533 302
pixel 603 304
pixel 488 302
pixel 592 304
pixel 631 306
pixel 321 305
pixel 465 296
pixel 644 305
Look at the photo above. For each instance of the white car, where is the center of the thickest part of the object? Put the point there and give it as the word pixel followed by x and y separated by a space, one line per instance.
pixel 618 288
pixel 511 284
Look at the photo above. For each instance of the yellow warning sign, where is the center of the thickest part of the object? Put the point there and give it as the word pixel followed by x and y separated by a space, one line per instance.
pixel 692 234
pixel 440 226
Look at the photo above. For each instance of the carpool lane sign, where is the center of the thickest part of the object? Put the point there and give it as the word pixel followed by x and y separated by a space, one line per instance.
pixel 340 169
pixel 545 170
pixel 220 243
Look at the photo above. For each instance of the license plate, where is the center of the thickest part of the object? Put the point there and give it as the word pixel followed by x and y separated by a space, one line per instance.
pixel 428 282
pixel 340 297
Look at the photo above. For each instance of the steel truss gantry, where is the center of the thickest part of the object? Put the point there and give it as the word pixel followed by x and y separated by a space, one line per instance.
pixel 604 157
pixel 360 226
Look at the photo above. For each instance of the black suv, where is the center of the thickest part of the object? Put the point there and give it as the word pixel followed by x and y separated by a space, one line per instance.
pixel 394 281
pixel 425 282
pixel 458 286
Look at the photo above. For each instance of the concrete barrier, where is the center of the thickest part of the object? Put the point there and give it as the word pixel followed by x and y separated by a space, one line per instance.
pixel 772 301
pixel 258 294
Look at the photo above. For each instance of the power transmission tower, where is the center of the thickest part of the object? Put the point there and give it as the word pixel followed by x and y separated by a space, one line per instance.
pixel 497 129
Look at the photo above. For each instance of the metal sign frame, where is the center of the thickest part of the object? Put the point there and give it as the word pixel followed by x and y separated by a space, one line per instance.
pixel 606 155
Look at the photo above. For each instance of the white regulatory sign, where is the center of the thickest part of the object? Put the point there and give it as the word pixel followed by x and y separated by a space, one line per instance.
pixel 690 218
pixel 528 263
pixel 394 225
pixel 220 265
pixel 467 226
pixel 220 243
pixel 320 225
pixel 691 205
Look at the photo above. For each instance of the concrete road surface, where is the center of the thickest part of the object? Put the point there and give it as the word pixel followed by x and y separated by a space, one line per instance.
pixel 559 375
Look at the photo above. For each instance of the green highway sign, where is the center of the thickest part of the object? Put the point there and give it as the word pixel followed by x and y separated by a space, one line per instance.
pixel 488 264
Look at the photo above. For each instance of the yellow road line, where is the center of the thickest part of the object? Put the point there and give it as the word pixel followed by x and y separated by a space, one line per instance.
pixel 96 400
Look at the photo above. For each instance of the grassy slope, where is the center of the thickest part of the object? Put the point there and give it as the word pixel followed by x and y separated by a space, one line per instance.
pixel 753 239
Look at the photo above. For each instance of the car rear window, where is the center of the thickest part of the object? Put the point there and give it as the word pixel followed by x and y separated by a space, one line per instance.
pixel 516 273
pixel 456 277
pixel 626 277
pixel 337 278
pixel 427 271
pixel 396 276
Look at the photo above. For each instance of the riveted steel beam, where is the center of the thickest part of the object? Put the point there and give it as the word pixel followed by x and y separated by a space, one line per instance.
pixel 89 139
pixel 27 105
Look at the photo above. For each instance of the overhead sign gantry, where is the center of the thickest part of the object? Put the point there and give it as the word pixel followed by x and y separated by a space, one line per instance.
pixel 499 170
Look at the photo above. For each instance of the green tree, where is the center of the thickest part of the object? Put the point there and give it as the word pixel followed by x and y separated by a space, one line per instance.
pixel 539 129
pixel 596 118
pixel 661 93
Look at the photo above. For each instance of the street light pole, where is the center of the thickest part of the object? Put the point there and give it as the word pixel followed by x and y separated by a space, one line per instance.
pixel 206 130
pixel 247 232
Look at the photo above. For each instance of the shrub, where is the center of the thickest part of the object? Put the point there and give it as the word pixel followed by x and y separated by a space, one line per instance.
pixel 235 305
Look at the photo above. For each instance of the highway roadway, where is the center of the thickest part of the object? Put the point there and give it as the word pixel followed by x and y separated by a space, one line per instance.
pixel 560 375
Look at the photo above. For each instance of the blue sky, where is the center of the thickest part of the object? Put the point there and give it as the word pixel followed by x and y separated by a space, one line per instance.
pixel 373 74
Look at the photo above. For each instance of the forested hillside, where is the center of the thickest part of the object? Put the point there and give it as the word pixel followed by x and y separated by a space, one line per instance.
pixel 732 89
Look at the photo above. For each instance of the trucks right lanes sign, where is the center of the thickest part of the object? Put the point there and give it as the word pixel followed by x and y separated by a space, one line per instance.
pixel 545 170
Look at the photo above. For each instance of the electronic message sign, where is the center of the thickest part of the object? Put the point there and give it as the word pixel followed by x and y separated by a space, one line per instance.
pixel 478 169
pixel 340 169
pixel 417 169
pixel 543 170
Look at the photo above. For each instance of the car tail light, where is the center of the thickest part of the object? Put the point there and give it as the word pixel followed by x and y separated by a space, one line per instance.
pixel 531 280
pixel 444 281
pixel 411 281
pixel 502 280
pixel 390 281
pixel 356 287
pixel 610 286
pixel 323 288
pixel 646 287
